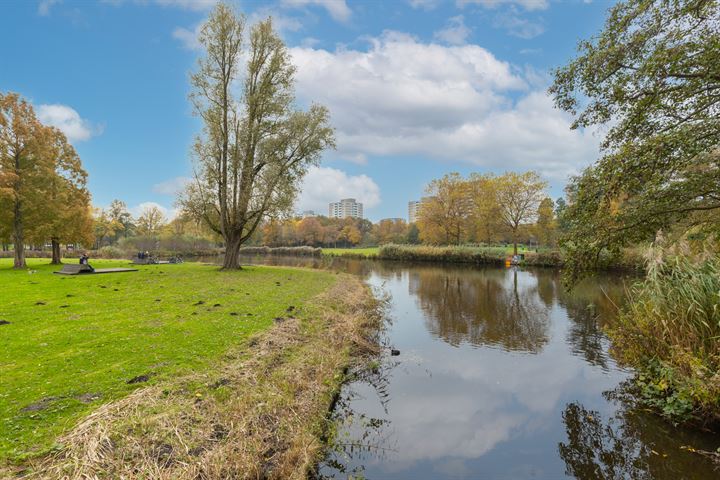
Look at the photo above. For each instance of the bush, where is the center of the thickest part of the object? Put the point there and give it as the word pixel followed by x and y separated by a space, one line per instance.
pixel 452 254
pixel 289 251
pixel 669 332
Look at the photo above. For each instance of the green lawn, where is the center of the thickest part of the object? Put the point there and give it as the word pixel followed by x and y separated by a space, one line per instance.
pixel 74 342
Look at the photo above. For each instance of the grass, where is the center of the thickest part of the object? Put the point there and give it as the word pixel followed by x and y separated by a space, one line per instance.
pixel 368 252
pixel 73 343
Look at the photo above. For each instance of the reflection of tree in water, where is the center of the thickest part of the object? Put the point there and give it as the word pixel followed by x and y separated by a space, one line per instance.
pixel 491 306
pixel 590 306
pixel 595 450
pixel 630 445
pixel 361 438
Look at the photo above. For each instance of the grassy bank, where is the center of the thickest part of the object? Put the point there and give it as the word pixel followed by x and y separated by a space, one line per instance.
pixel 670 334
pixel 631 260
pixel 170 371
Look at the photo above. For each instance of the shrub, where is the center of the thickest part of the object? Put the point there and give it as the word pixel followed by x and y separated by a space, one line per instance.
pixel 670 333
pixel 289 251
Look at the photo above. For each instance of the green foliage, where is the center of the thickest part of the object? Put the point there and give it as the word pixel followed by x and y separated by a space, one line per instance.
pixel 74 342
pixel 670 332
pixel 652 79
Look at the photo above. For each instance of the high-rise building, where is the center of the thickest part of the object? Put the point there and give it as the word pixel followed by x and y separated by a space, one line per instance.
pixel 413 210
pixel 347 207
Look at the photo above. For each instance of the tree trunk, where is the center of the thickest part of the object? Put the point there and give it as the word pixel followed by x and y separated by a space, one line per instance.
pixel 18 239
pixel 514 242
pixel 56 258
pixel 232 252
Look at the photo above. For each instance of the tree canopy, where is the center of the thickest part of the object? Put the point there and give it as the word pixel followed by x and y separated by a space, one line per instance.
pixel 651 80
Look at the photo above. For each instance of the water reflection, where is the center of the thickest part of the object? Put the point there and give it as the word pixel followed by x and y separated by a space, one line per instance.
pixel 630 444
pixel 490 307
pixel 502 374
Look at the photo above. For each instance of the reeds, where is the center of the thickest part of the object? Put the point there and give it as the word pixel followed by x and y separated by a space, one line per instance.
pixel 670 332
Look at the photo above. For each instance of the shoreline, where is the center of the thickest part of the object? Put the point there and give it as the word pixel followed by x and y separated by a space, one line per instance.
pixel 262 410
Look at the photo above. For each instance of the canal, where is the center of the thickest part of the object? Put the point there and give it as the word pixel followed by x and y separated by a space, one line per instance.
pixel 501 374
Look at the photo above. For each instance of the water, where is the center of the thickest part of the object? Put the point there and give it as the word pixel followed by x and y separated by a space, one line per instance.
pixel 502 374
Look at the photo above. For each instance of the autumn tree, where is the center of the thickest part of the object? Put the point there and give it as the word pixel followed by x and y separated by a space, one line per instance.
pixel 518 197
pixel 150 221
pixel 118 213
pixel 255 146
pixel 24 169
pixel 652 79
pixel 486 223
pixel 65 213
pixel 391 230
pixel 350 234
pixel 443 216
pixel 546 225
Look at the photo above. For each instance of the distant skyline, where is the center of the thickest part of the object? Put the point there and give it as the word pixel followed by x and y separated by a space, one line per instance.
pixel 416 89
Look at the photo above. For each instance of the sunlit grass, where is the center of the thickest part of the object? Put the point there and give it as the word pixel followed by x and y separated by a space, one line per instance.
pixel 74 342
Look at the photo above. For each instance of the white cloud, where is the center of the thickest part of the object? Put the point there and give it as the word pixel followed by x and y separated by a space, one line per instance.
pixel 196 5
pixel 337 9
pixel 45 6
pixel 189 38
pixel 453 103
pixel 188 4
pixel 526 4
pixel 323 185
pixel 455 31
pixel 168 213
pixel 68 121
pixel 517 26
pixel 424 4
pixel 172 186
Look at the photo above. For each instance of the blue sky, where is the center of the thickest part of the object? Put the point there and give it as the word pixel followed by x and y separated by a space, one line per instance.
pixel 416 89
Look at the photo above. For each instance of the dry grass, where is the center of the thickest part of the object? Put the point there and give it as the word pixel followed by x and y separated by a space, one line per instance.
pixel 260 415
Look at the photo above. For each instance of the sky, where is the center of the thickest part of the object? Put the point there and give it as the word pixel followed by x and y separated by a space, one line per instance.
pixel 415 88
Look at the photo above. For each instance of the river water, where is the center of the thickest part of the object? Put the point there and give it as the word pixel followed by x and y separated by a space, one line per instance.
pixel 501 374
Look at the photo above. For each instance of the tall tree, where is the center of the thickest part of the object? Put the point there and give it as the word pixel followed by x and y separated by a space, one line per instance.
pixel 653 77
pixel 486 213
pixel 443 216
pixel 23 168
pixel 150 221
pixel 118 212
pixel 546 225
pixel 518 197
pixel 65 213
pixel 254 150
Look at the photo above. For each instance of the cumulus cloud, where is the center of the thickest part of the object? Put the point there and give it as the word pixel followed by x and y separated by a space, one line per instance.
pixel 45 6
pixel 454 103
pixel 338 9
pixel 168 213
pixel 526 4
pixel 323 185
pixel 455 31
pixel 68 121
pixel 172 186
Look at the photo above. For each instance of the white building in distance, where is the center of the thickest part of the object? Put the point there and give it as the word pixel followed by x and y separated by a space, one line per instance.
pixel 413 210
pixel 347 207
